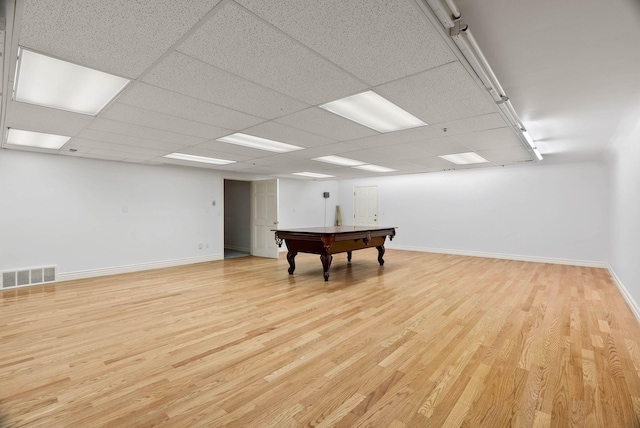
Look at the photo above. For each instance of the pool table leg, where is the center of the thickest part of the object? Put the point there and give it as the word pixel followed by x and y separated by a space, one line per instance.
pixel 291 255
pixel 326 262
pixel 380 254
pixel 348 256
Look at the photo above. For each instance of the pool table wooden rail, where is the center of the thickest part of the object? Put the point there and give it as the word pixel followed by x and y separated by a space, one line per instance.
pixel 327 241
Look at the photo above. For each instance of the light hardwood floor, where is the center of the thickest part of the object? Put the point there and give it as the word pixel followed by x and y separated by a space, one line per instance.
pixel 427 340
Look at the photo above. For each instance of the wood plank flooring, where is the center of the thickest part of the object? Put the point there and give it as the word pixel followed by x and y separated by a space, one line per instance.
pixel 427 340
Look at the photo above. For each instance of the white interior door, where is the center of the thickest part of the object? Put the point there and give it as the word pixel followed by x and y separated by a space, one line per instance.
pixel 365 210
pixel 264 218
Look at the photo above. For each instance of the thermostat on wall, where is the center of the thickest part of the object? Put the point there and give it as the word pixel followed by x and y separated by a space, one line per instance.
pixel 325 195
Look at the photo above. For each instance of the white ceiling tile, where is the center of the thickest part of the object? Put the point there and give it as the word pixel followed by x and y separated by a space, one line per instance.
pixel 405 166
pixel 322 122
pixel 142 117
pixel 473 124
pixel 490 139
pixel 399 137
pixel 367 156
pixel 42 119
pixel 278 159
pixel 443 94
pixel 286 134
pixel 205 149
pixel 110 156
pixel 138 131
pixel 261 170
pixel 435 163
pixel 405 151
pixel 325 150
pixel 188 76
pixel 238 166
pixel 92 134
pixel 83 144
pixel 442 146
pixel 120 37
pixel 239 42
pixel 387 39
pixel 234 149
pixel 171 103
pixel 506 154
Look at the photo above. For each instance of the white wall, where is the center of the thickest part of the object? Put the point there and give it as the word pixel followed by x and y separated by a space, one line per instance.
pixel 542 211
pixel 625 207
pixel 237 215
pixel 302 203
pixel 69 212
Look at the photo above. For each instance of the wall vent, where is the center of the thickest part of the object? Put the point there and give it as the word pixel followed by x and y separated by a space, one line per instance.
pixel 28 276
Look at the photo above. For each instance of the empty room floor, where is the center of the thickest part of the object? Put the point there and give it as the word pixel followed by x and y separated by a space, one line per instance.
pixel 425 340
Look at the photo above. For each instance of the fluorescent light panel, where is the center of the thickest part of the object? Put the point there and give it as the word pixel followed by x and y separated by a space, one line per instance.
pixel 260 143
pixel 312 175
pixel 375 168
pixel 372 110
pixel 338 160
pixel 202 159
pixel 51 82
pixel 464 158
pixel 18 137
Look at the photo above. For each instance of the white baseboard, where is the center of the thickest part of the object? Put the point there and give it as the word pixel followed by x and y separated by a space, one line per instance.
pixel 535 259
pixel 625 294
pixel 91 273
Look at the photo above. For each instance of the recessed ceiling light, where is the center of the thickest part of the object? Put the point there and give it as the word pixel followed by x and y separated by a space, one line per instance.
pixel 338 160
pixel 18 137
pixel 312 175
pixel 375 168
pixel 51 82
pixel 194 158
pixel 464 158
pixel 260 143
pixel 372 110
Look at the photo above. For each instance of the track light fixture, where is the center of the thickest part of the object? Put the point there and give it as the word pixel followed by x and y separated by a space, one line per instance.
pixel 449 15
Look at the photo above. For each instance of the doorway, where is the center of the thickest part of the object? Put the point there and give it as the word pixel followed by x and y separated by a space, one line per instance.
pixel 237 218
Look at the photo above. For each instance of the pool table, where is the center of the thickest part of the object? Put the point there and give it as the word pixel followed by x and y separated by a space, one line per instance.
pixel 327 241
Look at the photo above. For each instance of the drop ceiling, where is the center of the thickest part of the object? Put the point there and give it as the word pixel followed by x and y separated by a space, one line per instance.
pixel 201 70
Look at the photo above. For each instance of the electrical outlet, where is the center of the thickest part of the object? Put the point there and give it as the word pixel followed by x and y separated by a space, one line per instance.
pixel 200 246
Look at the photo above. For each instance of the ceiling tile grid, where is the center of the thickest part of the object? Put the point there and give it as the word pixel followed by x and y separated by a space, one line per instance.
pixel 161 100
pixel 241 43
pixel 377 40
pixel 472 124
pixel 115 36
pixel 151 119
pixel 489 139
pixel 321 122
pixel 442 94
pixel 399 137
pixel 263 68
pixel 286 134
pixel 189 76
pixel 43 119
pixel 133 130
pixel 110 137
